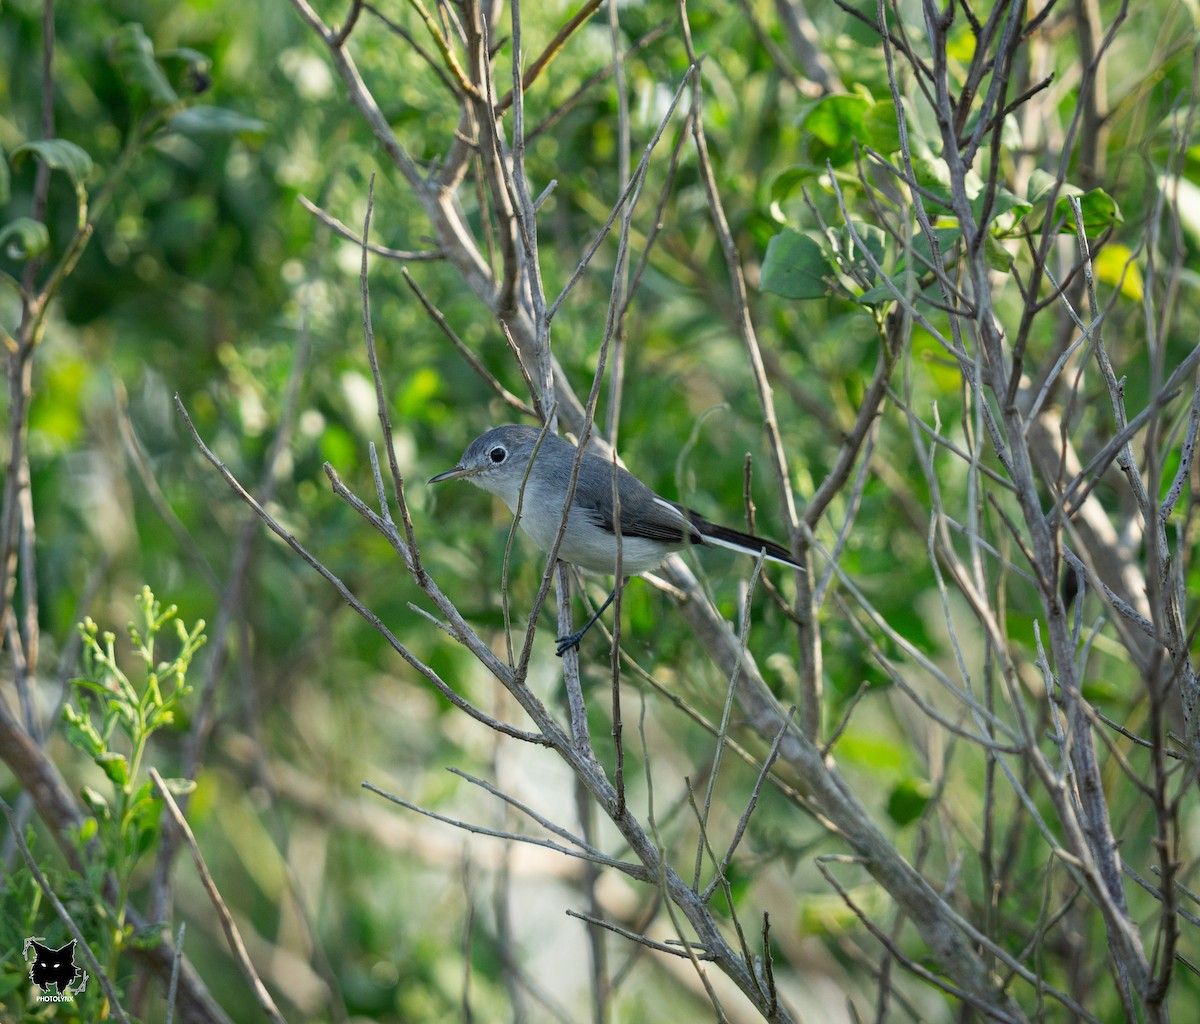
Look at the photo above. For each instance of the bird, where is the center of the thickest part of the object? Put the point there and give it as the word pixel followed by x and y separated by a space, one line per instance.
pixel 529 468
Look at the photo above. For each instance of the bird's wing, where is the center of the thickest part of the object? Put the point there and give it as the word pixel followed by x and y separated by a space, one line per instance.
pixel 643 513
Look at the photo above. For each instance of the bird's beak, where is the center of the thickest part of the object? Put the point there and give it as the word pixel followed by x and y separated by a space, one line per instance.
pixel 457 473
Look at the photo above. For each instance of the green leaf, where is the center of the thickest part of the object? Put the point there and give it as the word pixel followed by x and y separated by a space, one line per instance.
pixel 874 296
pixel 24 238
pixel 143 840
pixel 835 124
pixel 58 155
pixel 1041 182
pixel 88 829
pixel 114 766
pixel 145 795
pixel 794 267
pixel 95 802
pixel 1099 211
pixel 907 800
pixel 933 176
pixel 998 258
pixel 880 128
pixel 790 180
pixel 180 787
pixel 80 732
pixel 132 54
pixel 202 120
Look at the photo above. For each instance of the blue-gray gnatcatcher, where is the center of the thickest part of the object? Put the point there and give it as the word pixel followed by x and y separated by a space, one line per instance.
pixel 502 461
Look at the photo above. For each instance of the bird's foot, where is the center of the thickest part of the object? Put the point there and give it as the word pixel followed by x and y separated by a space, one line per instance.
pixel 571 642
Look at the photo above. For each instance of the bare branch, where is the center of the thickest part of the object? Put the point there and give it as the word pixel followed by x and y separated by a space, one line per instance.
pixel 232 935
pixel 583 852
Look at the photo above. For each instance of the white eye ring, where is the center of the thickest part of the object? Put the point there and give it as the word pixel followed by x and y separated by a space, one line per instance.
pixel 498 454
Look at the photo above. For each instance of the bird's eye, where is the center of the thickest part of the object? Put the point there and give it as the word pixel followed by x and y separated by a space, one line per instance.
pixel 498 454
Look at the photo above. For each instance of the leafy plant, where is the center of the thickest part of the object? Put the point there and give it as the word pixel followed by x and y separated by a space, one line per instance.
pixel 113 724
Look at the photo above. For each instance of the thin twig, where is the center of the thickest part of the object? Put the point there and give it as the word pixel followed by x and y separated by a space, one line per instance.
pixel 472 360
pixel 744 820
pixel 635 871
pixel 232 935
pixel 385 420
pixel 641 940
pixel 350 235
pixel 175 962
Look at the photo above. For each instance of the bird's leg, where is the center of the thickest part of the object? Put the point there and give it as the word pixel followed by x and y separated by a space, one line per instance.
pixel 565 643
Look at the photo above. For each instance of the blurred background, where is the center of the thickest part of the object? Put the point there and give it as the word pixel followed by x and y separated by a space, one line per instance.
pixel 207 278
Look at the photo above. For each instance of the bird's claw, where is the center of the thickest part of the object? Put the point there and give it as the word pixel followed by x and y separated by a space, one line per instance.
pixel 567 643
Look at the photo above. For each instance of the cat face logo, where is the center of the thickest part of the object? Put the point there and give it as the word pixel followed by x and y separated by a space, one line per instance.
pixel 55 967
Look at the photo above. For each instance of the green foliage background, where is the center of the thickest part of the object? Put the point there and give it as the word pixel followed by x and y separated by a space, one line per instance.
pixel 206 276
